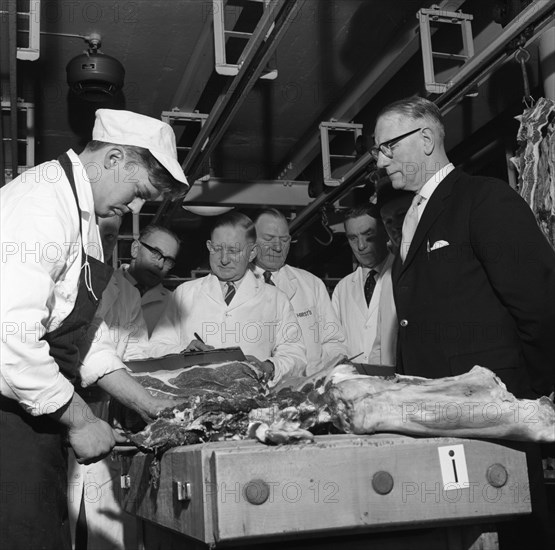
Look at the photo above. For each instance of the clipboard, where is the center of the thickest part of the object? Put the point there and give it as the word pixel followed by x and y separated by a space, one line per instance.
pixel 384 371
pixel 186 359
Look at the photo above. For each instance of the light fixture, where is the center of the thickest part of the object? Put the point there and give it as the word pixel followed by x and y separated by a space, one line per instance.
pixel 95 76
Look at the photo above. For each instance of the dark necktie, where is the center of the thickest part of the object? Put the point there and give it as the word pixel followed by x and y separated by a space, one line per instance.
pixel 268 278
pixel 229 293
pixel 369 286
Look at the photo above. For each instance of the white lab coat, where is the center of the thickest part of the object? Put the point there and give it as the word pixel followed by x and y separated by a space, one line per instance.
pixel 322 332
pixel 259 319
pixel 371 329
pixel 40 268
pixel 153 301
pixel 122 312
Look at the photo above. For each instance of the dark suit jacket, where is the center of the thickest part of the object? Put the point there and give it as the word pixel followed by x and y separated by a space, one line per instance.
pixel 488 298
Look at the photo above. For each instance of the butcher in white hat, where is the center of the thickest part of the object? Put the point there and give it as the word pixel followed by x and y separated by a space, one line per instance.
pixel 53 346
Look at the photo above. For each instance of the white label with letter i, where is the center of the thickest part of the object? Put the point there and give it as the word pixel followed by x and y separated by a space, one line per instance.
pixel 453 467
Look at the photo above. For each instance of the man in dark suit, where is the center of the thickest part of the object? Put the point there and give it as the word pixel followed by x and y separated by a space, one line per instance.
pixel 474 282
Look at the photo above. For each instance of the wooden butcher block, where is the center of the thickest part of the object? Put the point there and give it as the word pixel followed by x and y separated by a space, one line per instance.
pixel 231 491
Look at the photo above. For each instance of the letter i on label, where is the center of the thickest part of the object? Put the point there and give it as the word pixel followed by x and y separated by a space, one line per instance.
pixel 454 473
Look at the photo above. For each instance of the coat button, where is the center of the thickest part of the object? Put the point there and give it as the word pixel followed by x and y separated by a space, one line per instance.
pixel 404 322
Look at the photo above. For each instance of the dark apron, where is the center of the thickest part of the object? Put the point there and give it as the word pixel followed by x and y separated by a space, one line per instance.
pixel 33 456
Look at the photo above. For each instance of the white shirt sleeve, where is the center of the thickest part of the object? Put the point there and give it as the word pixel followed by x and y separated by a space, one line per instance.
pixel 333 338
pixel 289 353
pixel 32 262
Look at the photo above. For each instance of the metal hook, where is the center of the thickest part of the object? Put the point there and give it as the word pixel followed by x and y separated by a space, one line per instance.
pixel 522 56
pixel 327 229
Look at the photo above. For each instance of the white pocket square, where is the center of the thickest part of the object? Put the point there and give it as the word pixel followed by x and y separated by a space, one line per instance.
pixel 439 244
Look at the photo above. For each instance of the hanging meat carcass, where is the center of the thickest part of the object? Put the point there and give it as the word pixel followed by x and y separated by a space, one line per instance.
pixel 535 162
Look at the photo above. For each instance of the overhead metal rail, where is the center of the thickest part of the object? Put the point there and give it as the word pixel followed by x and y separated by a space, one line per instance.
pixel 529 24
pixel 346 183
pixel 221 34
pixel 534 19
pixel 270 30
pixel 359 94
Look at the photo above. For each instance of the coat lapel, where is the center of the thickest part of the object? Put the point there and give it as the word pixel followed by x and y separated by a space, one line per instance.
pixel 433 209
pixel 288 282
pixel 358 292
pixel 211 287
pixel 249 287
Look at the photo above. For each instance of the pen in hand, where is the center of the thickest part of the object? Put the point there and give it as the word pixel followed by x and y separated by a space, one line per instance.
pixel 195 334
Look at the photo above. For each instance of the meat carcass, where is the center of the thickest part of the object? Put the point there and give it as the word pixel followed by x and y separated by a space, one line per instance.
pixel 227 402
pixel 474 404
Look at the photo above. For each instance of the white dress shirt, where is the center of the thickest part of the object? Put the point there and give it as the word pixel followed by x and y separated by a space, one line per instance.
pixel 41 264
pixel 430 186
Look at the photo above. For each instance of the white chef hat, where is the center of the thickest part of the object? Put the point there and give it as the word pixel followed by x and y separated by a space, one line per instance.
pixel 128 128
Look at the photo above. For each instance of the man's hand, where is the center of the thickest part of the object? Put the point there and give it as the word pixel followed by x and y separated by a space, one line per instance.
pixel 264 370
pixel 121 385
pixel 90 437
pixel 197 345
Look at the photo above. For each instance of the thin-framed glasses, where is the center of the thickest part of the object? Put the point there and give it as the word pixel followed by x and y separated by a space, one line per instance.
pixel 168 261
pixel 386 146
pixel 233 252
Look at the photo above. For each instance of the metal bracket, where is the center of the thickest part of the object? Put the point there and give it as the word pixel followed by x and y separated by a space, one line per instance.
pixel 221 34
pixel 183 489
pixel 434 15
pixel 28 24
pixel 26 110
pixel 327 156
pixel 125 482
pixel 176 117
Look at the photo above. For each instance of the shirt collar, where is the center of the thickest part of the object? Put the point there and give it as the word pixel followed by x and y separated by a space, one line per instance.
pixel 378 268
pixel 223 284
pixel 430 186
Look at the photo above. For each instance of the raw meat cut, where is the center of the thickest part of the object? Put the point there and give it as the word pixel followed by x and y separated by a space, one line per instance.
pixel 220 402
pixel 473 404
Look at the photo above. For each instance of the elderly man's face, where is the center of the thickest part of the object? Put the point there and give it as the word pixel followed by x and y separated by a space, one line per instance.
pixel 367 240
pixel 230 252
pixel 273 239
pixel 406 167
pixel 149 268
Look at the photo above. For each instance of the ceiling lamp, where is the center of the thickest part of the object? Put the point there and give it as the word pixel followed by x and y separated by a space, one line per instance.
pixel 94 76
pixel 207 210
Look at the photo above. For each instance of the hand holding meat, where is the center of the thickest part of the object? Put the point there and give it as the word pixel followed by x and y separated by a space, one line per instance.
pixel 264 370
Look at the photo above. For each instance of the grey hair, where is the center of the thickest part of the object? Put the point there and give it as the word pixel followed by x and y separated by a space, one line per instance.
pixel 416 108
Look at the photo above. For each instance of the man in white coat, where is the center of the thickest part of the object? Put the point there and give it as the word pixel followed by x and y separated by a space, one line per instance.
pixel 231 307
pixel 363 300
pixel 322 333
pixel 153 256
pixel 52 277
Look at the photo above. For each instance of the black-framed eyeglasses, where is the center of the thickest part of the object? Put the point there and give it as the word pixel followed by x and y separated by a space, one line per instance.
pixel 386 146
pixel 168 261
